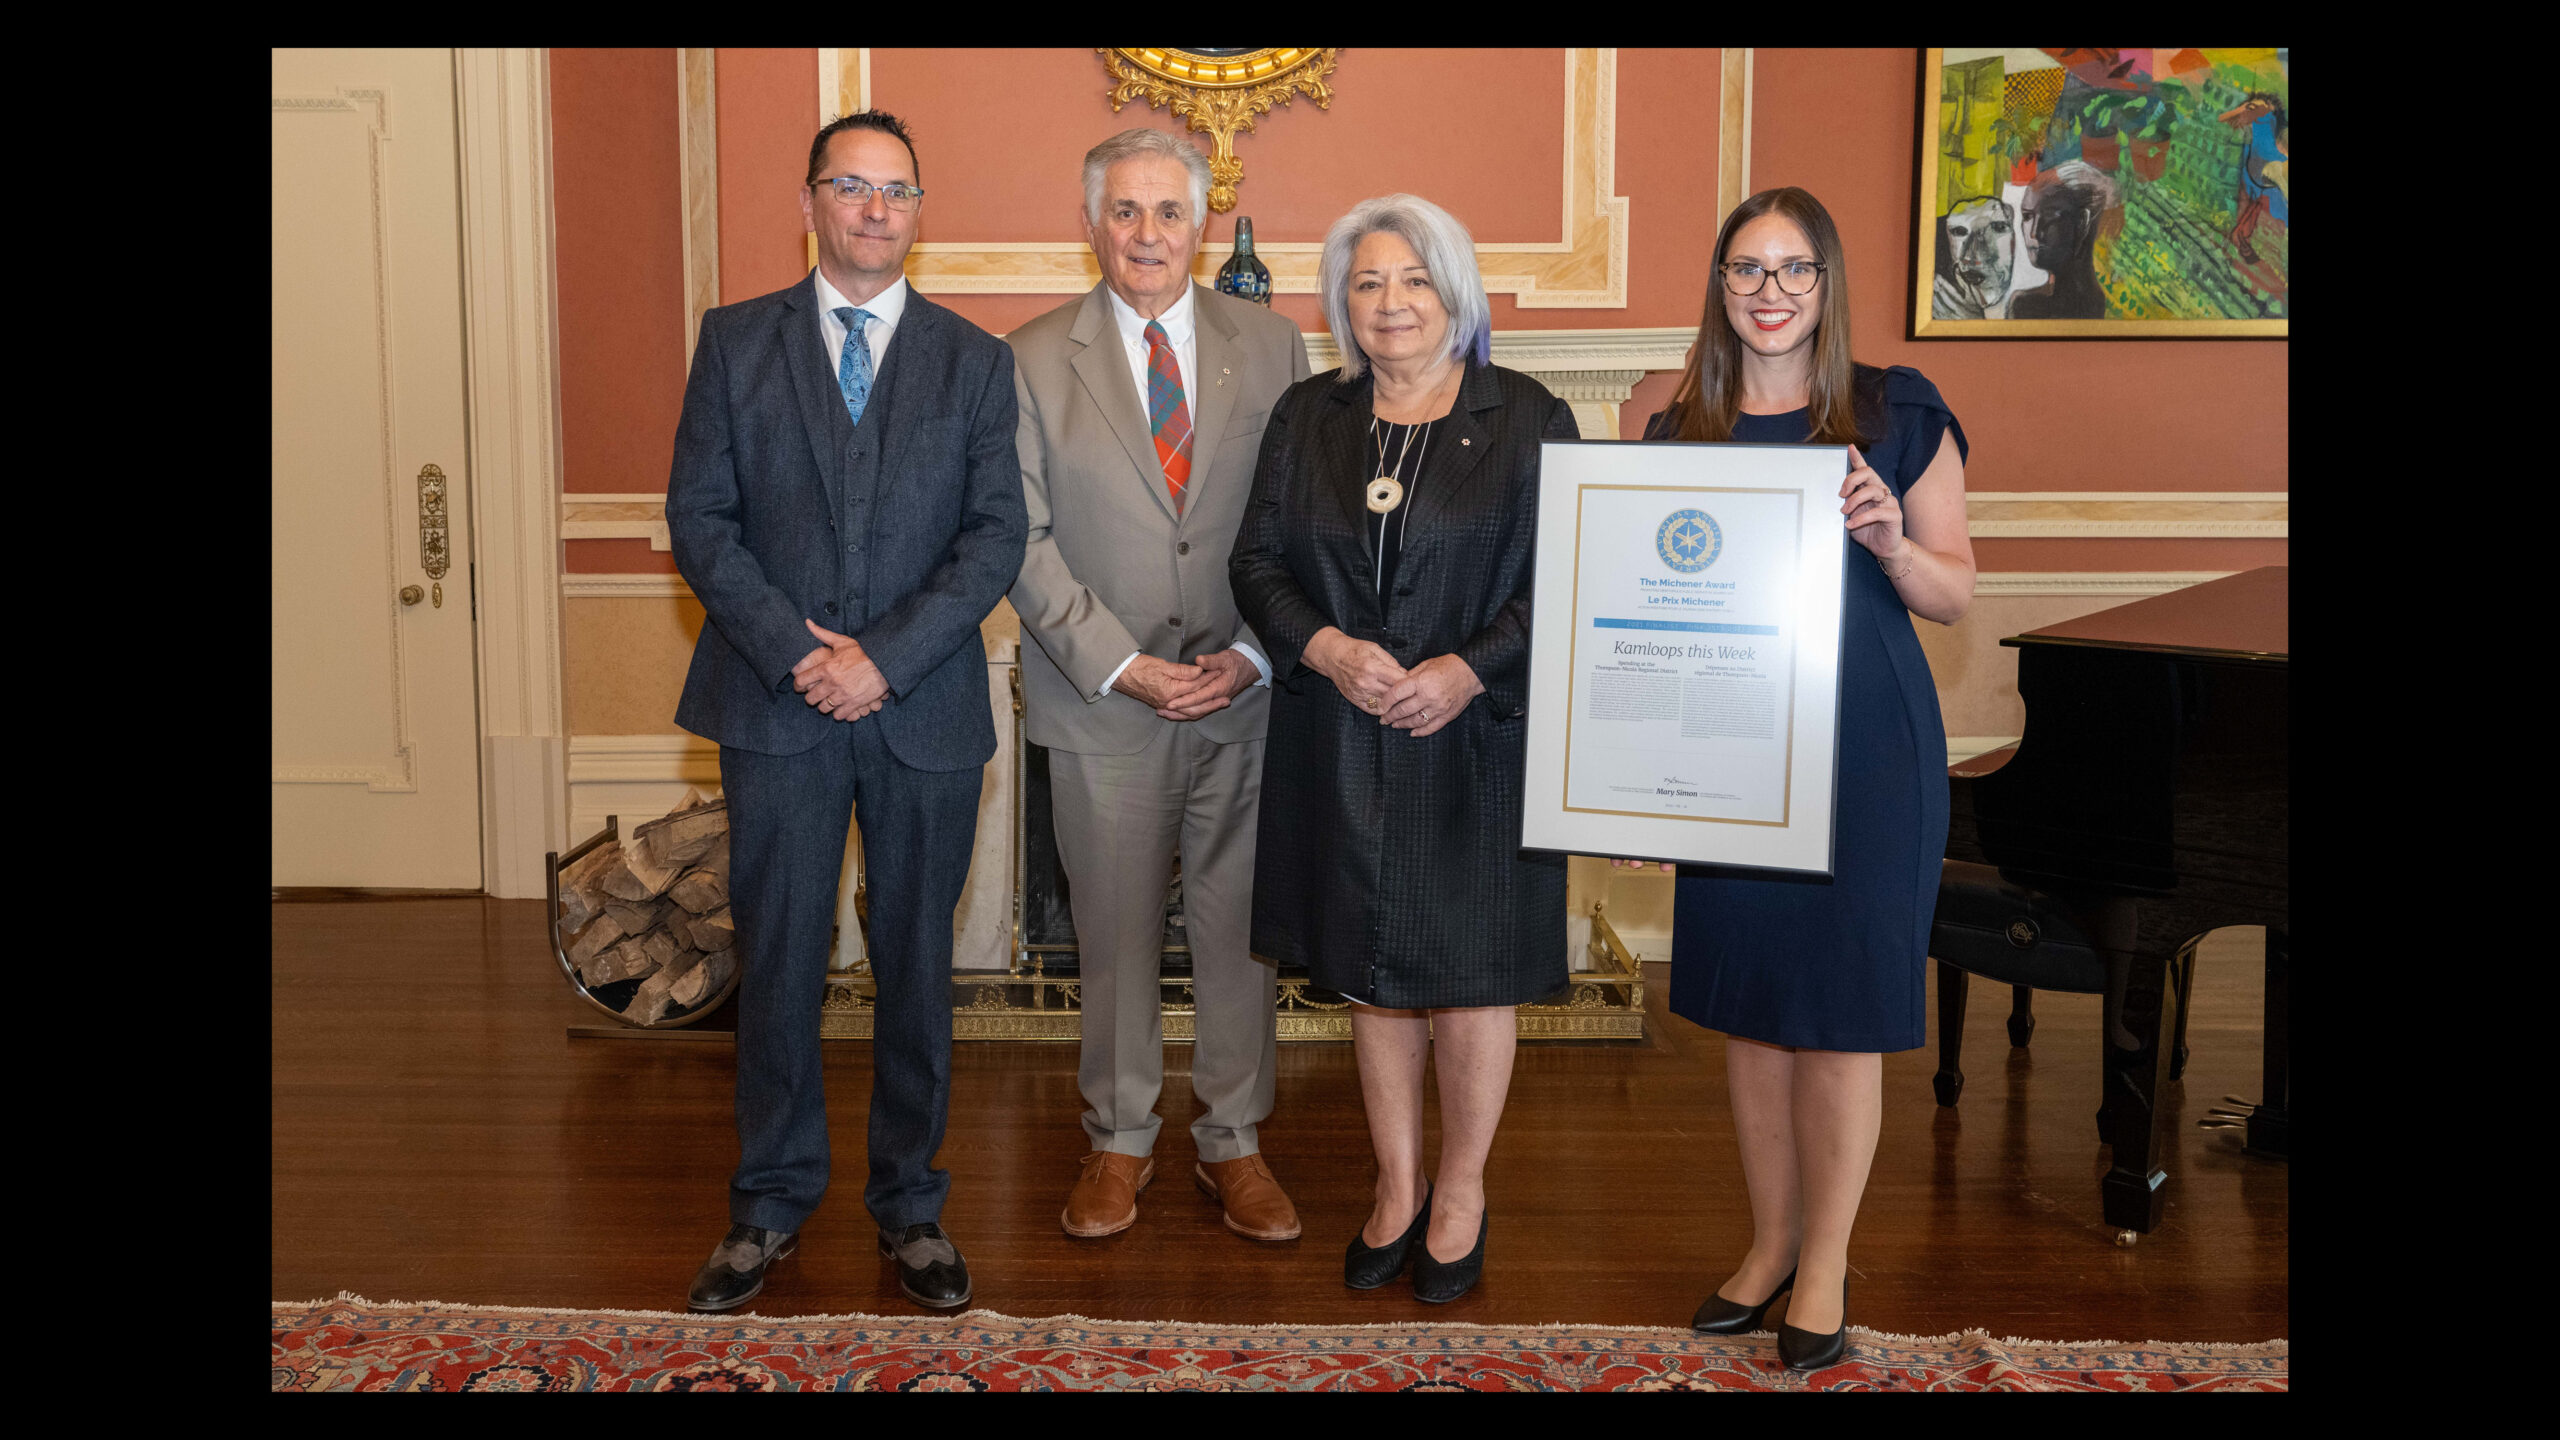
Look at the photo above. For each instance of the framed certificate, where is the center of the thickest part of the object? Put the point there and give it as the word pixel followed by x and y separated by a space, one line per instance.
pixel 1684 653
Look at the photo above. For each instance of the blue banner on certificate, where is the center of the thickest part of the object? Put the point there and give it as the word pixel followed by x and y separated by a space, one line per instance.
pixel 1684 656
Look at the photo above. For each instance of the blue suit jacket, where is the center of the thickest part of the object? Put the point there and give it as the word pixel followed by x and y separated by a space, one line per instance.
pixel 757 513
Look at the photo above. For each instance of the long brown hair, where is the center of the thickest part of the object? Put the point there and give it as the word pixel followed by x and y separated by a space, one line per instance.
pixel 1710 393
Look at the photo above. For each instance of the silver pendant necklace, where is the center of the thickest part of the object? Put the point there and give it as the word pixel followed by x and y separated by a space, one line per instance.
pixel 1386 492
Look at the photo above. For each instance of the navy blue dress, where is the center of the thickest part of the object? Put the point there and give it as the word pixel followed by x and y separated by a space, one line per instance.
pixel 1840 964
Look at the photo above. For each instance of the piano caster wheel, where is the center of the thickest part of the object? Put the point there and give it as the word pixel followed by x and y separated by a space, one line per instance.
pixel 1949 1084
pixel 2125 1239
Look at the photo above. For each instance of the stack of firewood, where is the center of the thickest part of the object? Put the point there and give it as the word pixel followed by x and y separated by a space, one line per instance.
pixel 655 909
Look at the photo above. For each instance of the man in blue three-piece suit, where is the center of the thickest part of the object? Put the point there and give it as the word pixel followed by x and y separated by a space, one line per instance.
pixel 846 504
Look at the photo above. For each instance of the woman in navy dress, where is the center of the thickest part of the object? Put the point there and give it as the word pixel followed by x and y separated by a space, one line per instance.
pixel 1811 981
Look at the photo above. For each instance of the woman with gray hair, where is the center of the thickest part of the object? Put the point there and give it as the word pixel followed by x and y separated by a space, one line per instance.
pixel 1385 562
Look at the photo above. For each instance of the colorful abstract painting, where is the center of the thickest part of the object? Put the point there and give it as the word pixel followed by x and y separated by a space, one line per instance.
pixel 2104 193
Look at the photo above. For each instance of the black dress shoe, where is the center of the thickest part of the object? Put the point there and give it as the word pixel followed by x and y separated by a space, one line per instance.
pixel 930 1269
pixel 735 1271
pixel 1719 1316
pixel 1438 1283
pixel 1805 1350
pixel 1366 1267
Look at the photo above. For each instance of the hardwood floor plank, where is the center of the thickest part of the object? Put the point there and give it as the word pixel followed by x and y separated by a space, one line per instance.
pixel 435 1135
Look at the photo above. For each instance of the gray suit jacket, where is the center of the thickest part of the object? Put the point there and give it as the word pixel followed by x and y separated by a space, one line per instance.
pixel 1110 568
pixel 765 532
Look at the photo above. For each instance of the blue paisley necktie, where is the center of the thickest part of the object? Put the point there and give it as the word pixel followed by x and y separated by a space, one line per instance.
pixel 853 372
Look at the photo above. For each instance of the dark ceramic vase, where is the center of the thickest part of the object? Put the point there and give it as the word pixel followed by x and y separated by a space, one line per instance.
pixel 1243 276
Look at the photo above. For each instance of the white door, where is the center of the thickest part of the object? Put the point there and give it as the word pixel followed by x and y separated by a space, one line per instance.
pixel 372 711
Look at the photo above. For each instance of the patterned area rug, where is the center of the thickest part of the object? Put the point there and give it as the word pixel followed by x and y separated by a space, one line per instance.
pixel 351 1343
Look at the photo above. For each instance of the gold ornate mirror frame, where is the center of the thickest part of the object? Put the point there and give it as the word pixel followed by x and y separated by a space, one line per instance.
pixel 1219 93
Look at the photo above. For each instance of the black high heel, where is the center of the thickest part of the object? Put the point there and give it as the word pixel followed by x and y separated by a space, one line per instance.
pixel 1805 1350
pixel 1719 1316
pixel 1366 1267
pixel 1436 1282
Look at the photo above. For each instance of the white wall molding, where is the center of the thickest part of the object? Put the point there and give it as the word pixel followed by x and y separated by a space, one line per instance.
pixel 2085 582
pixel 2128 514
pixel 512 345
pixel 598 586
pixel 698 176
pixel 593 586
pixel 676 758
pixel 600 515
pixel 1658 348
pixel 638 777
pixel 1596 395
pixel 1584 268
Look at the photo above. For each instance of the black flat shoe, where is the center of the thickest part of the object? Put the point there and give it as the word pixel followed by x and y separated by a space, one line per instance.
pixel 1719 1316
pixel 1366 1267
pixel 1438 1283
pixel 1805 1350
pixel 930 1269
pixel 734 1274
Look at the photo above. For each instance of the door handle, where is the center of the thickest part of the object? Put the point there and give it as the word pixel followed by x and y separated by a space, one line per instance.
pixel 411 594
pixel 433 554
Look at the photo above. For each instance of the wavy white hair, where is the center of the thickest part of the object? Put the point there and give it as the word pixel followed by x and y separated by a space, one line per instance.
pixel 1141 141
pixel 1447 251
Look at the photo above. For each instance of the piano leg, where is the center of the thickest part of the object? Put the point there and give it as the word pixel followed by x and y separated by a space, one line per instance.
pixel 1949 1081
pixel 2267 1123
pixel 2022 1015
pixel 2186 987
pixel 2137 1072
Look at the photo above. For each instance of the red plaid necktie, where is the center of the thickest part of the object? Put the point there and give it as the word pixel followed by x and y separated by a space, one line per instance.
pixel 1168 415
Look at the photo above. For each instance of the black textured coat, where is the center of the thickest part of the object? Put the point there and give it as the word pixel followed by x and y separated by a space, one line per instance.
pixel 1391 866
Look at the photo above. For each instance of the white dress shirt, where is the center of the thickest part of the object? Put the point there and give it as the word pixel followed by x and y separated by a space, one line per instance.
pixel 885 309
pixel 1182 333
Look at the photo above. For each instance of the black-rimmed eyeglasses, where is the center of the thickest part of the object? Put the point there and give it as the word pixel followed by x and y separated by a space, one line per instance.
pixel 1796 277
pixel 854 190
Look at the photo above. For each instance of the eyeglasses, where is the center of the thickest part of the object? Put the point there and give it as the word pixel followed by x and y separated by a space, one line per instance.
pixel 1796 277
pixel 854 190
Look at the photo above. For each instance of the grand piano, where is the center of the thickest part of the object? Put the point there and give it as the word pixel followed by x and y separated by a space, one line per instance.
pixel 2147 800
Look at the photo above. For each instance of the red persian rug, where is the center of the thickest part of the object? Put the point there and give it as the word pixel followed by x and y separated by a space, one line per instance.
pixel 351 1343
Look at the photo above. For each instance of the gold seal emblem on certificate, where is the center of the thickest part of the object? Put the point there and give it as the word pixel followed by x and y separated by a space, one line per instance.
pixel 1689 541
pixel 1384 494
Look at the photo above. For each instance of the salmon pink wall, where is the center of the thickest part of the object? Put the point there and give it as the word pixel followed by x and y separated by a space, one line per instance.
pixel 768 110
pixel 1008 129
pixel 1000 133
pixel 621 264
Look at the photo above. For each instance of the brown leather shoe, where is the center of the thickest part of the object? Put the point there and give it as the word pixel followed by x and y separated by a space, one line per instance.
pixel 1256 1206
pixel 1105 1198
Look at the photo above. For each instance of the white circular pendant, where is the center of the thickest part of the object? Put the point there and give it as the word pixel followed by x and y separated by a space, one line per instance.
pixel 1385 494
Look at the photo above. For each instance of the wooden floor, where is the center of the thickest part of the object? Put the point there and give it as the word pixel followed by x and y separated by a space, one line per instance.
pixel 437 1137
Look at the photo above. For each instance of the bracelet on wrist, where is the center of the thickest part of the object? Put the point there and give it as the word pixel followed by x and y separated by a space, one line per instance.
pixel 1910 558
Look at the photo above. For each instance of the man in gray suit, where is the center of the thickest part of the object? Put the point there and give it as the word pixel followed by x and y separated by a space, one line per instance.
pixel 1149 692
pixel 846 505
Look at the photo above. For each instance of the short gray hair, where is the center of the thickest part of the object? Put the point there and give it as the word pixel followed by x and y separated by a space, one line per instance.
pixel 1447 251
pixel 1136 144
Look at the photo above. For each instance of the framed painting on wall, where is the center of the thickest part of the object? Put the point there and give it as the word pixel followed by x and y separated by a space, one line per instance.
pixel 2103 194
